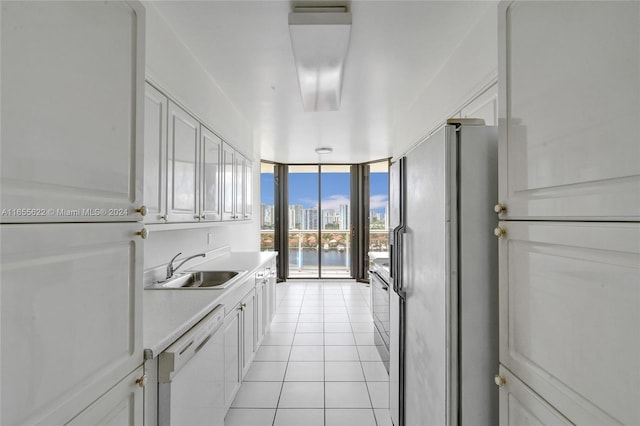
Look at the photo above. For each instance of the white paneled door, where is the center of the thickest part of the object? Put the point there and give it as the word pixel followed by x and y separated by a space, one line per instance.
pixel 570 110
pixel 71 316
pixel 570 316
pixel 72 111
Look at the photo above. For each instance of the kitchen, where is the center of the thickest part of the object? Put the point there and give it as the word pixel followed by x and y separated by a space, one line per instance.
pixel 75 100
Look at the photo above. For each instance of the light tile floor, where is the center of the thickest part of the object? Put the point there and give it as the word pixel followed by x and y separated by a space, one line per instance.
pixel 318 365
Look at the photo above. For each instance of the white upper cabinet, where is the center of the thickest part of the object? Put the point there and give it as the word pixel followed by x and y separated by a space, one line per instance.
pixel 239 180
pixel 182 166
pixel 228 182
pixel 72 111
pixel 71 316
pixel 569 109
pixel 248 189
pixel 155 154
pixel 211 151
pixel 570 316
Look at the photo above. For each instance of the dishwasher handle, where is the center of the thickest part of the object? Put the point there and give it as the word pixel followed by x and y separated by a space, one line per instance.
pixel 178 354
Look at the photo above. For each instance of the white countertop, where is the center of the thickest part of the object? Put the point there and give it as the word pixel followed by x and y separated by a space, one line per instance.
pixel 168 314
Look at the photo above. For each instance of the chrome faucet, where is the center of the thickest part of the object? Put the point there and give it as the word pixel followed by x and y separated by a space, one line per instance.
pixel 171 269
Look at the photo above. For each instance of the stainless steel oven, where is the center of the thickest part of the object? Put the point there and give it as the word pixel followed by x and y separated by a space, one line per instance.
pixel 379 278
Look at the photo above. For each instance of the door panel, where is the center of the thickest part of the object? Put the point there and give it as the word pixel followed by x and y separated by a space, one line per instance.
pixel 570 105
pixel 570 304
pixel 248 331
pixel 228 182
pixel 56 281
pixel 122 405
pixel 232 355
pixel 520 406
pixel 248 190
pixel 211 152
pixel 155 155
pixel 239 177
pixel 182 166
pixel 72 111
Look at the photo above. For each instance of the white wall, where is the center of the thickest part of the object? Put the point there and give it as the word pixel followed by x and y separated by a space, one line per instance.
pixel 471 68
pixel 171 66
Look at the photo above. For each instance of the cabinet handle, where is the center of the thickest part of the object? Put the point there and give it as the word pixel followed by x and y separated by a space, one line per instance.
pixel 164 217
pixel 141 381
pixel 499 380
pixel 143 233
pixel 499 232
pixel 500 208
pixel 142 210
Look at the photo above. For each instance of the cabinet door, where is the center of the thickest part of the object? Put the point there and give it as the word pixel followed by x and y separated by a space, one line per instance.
pixel 155 155
pixel 569 107
pixel 239 177
pixel 272 291
pixel 71 316
pixel 570 316
pixel 232 355
pixel 228 182
pixel 72 111
pixel 520 406
pixel 248 190
pixel 248 329
pixel 210 181
pixel 182 166
pixel 120 406
pixel 260 313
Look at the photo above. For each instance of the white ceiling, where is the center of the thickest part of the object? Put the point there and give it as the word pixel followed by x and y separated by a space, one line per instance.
pixel 396 48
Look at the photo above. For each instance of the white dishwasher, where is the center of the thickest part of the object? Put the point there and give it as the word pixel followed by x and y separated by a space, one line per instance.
pixel 191 376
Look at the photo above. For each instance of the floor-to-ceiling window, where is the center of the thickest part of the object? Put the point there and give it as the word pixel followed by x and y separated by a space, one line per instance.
pixel 324 220
pixel 267 207
pixel 335 202
pixel 303 222
pixel 379 206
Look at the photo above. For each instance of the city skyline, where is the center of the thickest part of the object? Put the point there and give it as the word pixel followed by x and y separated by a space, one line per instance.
pixel 335 190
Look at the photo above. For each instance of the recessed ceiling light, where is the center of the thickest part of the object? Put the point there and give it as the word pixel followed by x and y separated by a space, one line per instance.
pixel 324 150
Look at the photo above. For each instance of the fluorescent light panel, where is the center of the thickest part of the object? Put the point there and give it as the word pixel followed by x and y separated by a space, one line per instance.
pixel 320 39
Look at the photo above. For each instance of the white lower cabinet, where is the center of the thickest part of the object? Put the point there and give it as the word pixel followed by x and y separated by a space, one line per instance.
pixel 71 316
pixel 248 306
pixel 570 316
pixel 520 406
pixel 261 312
pixel 232 355
pixel 120 406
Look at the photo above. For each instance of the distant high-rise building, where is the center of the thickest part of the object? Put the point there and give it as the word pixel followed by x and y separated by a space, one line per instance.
pixel 328 218
pixel 295 216
pixel 310 218
pixel 266 216
pixel 386 216
pixel 344 217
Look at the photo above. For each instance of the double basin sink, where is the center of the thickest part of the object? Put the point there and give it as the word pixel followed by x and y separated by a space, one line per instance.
pixel 200 280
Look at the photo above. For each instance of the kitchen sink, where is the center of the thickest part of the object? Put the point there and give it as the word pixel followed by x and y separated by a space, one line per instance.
pixel 200 280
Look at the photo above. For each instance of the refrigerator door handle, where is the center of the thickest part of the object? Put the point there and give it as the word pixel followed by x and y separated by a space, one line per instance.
pixel 394 260
pixel 399 240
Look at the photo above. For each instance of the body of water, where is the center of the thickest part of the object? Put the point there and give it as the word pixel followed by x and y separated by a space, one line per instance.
pixel 330 258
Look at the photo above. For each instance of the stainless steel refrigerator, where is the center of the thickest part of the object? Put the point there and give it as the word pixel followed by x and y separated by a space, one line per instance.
pixel 444 269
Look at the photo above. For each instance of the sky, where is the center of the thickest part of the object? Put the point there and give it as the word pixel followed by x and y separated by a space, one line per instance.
pixel 303 188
